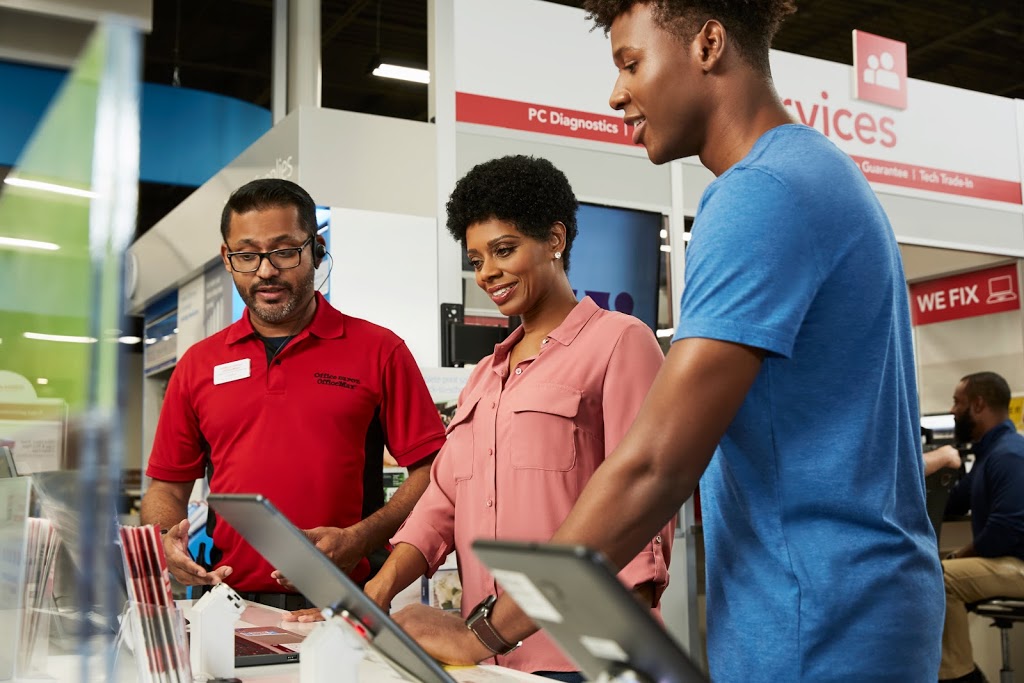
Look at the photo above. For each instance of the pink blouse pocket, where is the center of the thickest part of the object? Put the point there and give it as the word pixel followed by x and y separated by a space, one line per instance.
pixel 543 428
pixel 460 440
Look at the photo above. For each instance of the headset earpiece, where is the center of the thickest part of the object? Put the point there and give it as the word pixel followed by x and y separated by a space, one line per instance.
pixel 319 251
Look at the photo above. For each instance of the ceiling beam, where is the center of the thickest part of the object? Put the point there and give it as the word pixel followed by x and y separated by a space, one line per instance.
pixel 919 50
pixel 339 24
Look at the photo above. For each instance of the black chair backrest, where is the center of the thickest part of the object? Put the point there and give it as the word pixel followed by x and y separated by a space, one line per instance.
pixel 937 487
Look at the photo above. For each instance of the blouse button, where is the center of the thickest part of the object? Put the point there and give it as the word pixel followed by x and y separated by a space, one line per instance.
pixel 490 502
pixel 545 340
pixel 490 451
pixel 657 539
pixel 519 371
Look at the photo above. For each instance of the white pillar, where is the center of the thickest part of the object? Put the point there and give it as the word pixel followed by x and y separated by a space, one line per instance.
pixel 303 54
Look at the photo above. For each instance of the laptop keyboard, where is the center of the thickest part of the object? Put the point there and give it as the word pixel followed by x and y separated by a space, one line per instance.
pixel 244 648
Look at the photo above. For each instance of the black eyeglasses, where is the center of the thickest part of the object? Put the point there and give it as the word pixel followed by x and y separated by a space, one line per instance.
pixel 282 259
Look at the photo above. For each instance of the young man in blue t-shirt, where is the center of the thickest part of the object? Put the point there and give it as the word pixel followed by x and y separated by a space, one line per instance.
pixel 790 386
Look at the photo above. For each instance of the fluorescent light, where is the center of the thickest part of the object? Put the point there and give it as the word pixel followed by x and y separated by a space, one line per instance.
pixel 664 233
pixel 42 380
pixel 27 244
pixel 402 73
pixel 128 339
pixel 686 237
pixel 666 247
pixel 49 187
pixel 150 340
pixel 668 332
pixel 59 338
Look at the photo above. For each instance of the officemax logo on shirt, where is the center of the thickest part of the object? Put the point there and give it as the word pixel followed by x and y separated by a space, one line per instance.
pixel 336 380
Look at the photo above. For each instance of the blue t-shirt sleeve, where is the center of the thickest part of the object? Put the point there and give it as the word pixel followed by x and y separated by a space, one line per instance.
pixel 752 266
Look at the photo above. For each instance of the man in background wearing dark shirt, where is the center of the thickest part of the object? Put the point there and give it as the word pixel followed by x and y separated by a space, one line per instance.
pixel 993 563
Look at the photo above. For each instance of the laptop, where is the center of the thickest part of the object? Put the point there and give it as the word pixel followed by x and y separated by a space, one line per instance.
pixel 573 593
pixel 323 584
pixel 259 645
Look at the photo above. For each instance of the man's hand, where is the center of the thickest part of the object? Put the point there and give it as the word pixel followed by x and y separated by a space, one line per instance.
pixel 344 547
pixel 180 563
pixel 444 636
pixel 945 457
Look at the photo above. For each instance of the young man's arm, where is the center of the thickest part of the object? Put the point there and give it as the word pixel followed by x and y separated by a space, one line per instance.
pixel 652 473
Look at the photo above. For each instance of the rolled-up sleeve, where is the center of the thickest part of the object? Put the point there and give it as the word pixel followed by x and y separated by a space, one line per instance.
pixel 634 363
pixel 430 528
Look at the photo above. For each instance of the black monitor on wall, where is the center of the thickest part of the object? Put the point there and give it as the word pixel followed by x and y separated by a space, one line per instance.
pixel 466 344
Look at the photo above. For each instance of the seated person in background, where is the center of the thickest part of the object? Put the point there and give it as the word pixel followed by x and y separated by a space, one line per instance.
pixel 992 564
pixel 295 401
pixel 538 416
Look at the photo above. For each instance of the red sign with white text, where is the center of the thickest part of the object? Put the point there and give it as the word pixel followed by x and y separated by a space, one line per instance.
pixel 541 118
pixel 967 295
pixel 938 180
pixel 880 70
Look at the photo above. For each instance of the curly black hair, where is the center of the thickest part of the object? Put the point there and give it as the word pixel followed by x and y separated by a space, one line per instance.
pixel 528 192
pixel 751 23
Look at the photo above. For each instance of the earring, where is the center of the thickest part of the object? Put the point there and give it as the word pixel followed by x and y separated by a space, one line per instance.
pixel 558 254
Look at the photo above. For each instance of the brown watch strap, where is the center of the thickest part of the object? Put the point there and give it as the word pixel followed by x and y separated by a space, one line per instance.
pixel 479 622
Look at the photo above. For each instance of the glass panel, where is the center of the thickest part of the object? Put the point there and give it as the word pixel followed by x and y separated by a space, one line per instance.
pixel 67 215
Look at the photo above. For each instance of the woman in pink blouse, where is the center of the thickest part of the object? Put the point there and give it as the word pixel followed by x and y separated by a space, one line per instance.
pixel 538 416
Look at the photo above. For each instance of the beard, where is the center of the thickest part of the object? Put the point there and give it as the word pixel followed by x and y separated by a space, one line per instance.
pixel 963 428
pixel 274 314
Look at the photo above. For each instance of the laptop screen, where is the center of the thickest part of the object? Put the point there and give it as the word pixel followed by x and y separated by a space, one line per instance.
pixel 323 584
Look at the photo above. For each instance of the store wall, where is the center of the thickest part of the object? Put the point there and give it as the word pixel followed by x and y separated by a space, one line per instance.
pixel 949 350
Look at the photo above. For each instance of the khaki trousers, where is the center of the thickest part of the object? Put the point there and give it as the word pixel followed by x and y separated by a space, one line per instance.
pixel 971 579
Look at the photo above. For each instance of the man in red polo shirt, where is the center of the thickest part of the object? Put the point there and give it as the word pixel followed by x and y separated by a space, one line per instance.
pixel 295 401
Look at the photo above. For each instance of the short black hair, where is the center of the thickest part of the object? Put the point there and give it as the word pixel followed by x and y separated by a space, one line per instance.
pixel 265 193
pixel 751 23
pixel 992 388
pixel 528 192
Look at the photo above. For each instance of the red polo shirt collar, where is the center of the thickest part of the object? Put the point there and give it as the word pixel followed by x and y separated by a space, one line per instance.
pixel 327 323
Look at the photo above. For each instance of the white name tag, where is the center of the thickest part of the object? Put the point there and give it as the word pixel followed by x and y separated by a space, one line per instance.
pixel 229 372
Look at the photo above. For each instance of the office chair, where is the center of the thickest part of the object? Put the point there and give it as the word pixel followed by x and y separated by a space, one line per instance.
pixel 1003 612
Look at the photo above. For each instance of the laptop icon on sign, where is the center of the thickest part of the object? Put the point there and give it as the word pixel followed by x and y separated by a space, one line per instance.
pixel 1000 289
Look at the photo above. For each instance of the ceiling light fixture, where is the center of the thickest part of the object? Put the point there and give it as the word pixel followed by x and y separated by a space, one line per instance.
pixel 17 242
pixel 129 339
pixel 49 187
pixel 386 70
pixel 42 380
pixel 402 73
pixel 38 336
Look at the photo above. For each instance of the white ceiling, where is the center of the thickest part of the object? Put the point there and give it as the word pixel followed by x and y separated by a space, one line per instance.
pixel 920 263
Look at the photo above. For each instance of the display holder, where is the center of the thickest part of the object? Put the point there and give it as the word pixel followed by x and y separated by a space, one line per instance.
pixel 625 675
pixel 333 650
pixel 156 635
pixel 214 616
